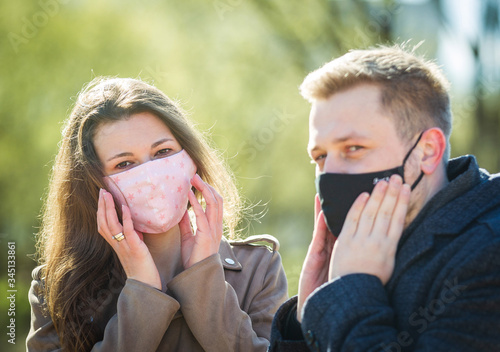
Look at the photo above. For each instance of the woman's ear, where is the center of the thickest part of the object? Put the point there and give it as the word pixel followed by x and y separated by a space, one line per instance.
pixel 433 144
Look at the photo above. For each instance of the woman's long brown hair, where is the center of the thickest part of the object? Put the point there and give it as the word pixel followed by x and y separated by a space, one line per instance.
pixel 78 263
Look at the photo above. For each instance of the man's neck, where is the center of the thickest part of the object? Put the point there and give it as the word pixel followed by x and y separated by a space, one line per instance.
pixel 428 187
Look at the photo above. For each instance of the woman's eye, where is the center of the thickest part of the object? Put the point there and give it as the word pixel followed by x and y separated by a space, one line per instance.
pixel 163 152
pixel 123 164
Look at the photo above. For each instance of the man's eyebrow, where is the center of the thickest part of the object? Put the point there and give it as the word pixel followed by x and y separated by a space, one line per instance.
pixel 311 150
pixel 341 139
pixel 352 135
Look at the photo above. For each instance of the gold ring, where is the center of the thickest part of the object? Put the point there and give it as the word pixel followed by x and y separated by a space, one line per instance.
pixel 120 236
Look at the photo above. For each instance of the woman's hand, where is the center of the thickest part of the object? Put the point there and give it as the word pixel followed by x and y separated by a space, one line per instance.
pixel 133 253
pixel 206 241
pixel 316 264
pixel 370 235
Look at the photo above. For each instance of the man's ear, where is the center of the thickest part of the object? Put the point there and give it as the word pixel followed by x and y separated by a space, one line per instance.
pixel 433 144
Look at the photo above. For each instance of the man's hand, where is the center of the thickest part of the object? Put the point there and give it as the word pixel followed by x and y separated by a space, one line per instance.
pixel 367 243
pixel 371 232
pixel 315 269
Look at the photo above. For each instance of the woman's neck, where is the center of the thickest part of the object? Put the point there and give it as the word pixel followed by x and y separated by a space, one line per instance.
pixel 165 248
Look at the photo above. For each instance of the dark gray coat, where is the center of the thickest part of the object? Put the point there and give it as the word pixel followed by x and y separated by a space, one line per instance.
pixel 444 294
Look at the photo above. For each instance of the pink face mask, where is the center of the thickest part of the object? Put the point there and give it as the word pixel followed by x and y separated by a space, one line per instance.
pixel 156 191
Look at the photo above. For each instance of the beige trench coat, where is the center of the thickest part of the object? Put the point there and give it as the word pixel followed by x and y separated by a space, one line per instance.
pixel 223 303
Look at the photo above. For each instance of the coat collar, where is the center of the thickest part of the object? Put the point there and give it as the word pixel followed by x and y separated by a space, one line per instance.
pixel 449 212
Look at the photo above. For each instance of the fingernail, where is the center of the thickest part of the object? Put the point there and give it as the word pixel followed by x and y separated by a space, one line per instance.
pixel 396 179
pixel 406 188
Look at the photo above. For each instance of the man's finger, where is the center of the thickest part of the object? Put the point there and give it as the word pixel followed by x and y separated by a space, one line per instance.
pixel 386 211
pixel 352 219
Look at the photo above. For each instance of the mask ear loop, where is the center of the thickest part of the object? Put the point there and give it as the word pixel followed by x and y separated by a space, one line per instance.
pixel 406 158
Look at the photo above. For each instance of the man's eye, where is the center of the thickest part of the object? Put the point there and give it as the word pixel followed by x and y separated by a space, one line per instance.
pixel 123 164
pixel 318 158
pixel 354 148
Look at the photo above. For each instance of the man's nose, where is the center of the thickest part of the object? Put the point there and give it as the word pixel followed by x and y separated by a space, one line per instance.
pixel 334 164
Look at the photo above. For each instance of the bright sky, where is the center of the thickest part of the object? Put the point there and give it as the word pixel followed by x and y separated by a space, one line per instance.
pixel 454 51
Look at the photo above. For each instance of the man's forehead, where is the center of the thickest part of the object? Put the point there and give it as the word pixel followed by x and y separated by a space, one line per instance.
pixel 341 127
pixel 338 131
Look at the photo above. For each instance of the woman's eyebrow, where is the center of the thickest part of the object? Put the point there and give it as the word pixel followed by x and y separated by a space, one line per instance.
pixel 120 155
pixel 154 145
pixel 163 140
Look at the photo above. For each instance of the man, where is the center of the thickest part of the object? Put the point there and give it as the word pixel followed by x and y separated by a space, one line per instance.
pixel 405 254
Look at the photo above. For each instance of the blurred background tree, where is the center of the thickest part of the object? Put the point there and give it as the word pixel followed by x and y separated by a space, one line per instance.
pixel 235 65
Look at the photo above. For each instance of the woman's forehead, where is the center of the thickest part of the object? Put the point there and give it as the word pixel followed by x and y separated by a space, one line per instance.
pixel 143 129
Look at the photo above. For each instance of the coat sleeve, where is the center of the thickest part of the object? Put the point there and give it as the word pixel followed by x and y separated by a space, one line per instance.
pixel 42 335
pixel 212 310
pixel 286 333
pixel 138 307
pixel 353 313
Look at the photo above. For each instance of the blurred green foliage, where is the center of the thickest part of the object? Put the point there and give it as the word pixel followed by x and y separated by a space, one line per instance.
pixel 235 65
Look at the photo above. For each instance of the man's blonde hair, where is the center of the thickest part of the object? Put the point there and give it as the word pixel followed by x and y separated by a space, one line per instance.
pixel 413 90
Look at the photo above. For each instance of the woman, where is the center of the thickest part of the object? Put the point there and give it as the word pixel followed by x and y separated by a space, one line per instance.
pixel 122 267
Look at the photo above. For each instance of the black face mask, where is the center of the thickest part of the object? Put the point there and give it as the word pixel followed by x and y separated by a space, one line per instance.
pixel 337 192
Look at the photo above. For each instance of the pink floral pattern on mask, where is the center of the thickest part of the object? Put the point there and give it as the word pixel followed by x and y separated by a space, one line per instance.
pixel 156 191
